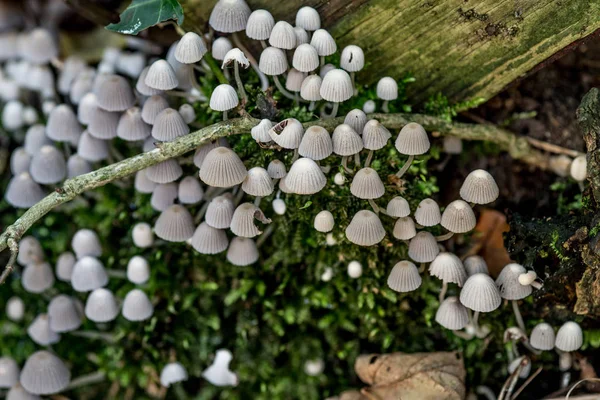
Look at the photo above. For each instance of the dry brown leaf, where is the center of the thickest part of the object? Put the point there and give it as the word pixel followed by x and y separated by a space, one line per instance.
pixel 488 240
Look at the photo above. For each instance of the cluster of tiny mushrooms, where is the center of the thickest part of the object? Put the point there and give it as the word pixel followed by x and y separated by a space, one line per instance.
pixel 105 103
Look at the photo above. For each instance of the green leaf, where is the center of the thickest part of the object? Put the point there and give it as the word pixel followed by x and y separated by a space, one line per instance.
pixel 142 14
pixel 306 205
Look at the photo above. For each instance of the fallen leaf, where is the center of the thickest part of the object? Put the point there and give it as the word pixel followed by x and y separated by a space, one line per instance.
pixel 488 240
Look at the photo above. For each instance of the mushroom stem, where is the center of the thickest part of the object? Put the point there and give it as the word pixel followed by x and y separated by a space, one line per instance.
pixel 225 115
pixel 384 107
pixel 238 81
pixel 195 84
pixel 282 89
pixel 322 61
pixel 264 81
pixel 518 316
pixel 199 68
pixel 263 237
pixel 405 167
pixel 238 196
pixel 296 155
pixel 257 201
pixel 369 158
pixel 296 100
pixel 201 213
pixel 312 106
pixel 345 165
pixel 443 291
pixel 357 159
pixel 354 83
pixel 374 206
pixel 422 267
pixel 263 44
pixel 88 379
pixel 108 337
pixel 474 322
pixel 334 111
pixel 115 273
pixel 537 285
pixel 444 237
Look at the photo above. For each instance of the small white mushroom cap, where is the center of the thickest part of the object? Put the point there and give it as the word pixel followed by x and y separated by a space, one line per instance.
pixel 301 36
pixel 137 306
pixel 354 269
pixel 353 59
pixel 366 184
pixel 188 113
pixel 314 367
pixel 12 115
pixel 475 265
pixel 77 165
pixel 308 18
pixel 15 309
pixel 423 247
pixel 324 221
pixel 220 48
pixel 508 282
pixel 336 86
pixel 452 314
pixel 327 274
pixel 132 127
pixel 92 149
pixel 141 86
pixel 387 89
pixel 190 190
pixel 357 120
pixel 175 224
pixel 273 61
pixel 229 16
pixel 48 165
pixel 152 107
pixel 114 94
pixel 283 36
pixel 172 373
pixel 222 167
pixel 458 217
pixel 323 42
pixel 44 373
pixel 479 187
pixel 63 314
pixel 578 168
pixel 305 177
pixel 237 56
pixel 190 48
pixel 398 207
pixel 242 222
pixel 479 293
pixel 346 141
pixel 138 270
pixel 542 337
pixel 169 125
pixel 30 251
pixel 38 46
pixel 37 277
pixel 20 160
pixel 35 139
pixel 260 132
pixel 316 143
pixel 279 206
pixel 103 124
pixel 219 212
pixel 85 242
pixel 23 192
pixel 527 278
pixel 63 125
pixel 39 331
pixel 161 76
pixel 404 277
pixel 448 268
pixel 514 364
pixel 17 392
pixel 164 172
pixel 311 88
pixel 101 306
pixel 569 337
pixel 218 372
pixel 305 58
pixel 452 145
pixel 260 24
pixel 142 235
pixel 276 169
pixel 404 228
pixel 369 106
pixel 375 136
pixel 339 179
pixel 209 240
pixel 224 98
pixel 365 229
pixel 258 182
pixel 242 251
pixel 164 195
pixel 64 266
pixel 412 140
pixel 88 274
pixel 9 372
pixel 428 213
pixel 294 80
pixel 142 184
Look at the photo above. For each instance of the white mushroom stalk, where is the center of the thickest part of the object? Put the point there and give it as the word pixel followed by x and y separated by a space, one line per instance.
pixel 237 58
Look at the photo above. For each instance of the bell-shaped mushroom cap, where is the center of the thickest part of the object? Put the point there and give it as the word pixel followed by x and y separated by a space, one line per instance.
pixel 188 113
pixel 387 89
pixel 88 274
pixel 260 24
pixel 169 125
pixel 37 277
pixel 458 217
pixel 48 165
pixel 448 268
pixel 305 177
pixel 353 59
pixel 224 98
pixel 452 145
pixel 428 213
pixel 142 235
pixel 365 229
pixel 142 184
pixel 222 167
pixel 276 169
pixel 175 224
pixel 346 141
pixel 161 76
pixel 479 293
pixel 62 124
pixel 235 56
pixel 85 242
pixel 279 206
pixel 242 222
pixel 283 187
pixel 9 372
pixel 569 337
pixel 258 182
pixel 479 187
pixel 82 85
pixel 23 192
pixel 77 165
pixel 308 18
pixel 114 94
pixel 354 269
pixel 366 184
pixel 412 140
pixel 219 212
pixel 311 88
pixel 508 283
pixel 324 221
pixel 172 373
pixel 44 373
pixel 141 86
pixel 578 168
pixel 20 161
pixel 190 190
pixel 165 171
pixel 423 247
pixel 12 115
pixel 92 149
pixel 475 265
pixel 272 61
pixel 316 143
pixel 452 314
pixel 323 42
pixel 301 36
pixel 305 58
pixel 283 36
pixel 101 306
pixel 260 132
pixel 294 80
pixel 137 306
pixel 30 251
pixel 63 314
pixel 375 136
pixel 242 251
pixel 357 120
pixel 103 124
pixel 39 331
pixel 132 127
pixel 336 86
pixel 17 392
pixel 15 309
pixel 209 240
pixel 138 270
pixel 229 16
pixel 404 228
pixel 38 46
pixel 404 277
pixel 35 139
pixel 202 151
pixel 288 133
pixel 190 48
pixel 220 48
pixel 64 266
pixel 398 207
pixel 542 337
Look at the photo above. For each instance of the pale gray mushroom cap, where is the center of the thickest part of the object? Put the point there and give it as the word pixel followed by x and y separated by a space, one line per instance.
pixel 365 229
pixel 452 314
pixel 48 165
pixel 305 58
pixel 114 94
pixel 92 149
pixel 308 18
pixel 137 306
pixel 85 242
pixel 514 364
pixel 17 392
pixel 15 309
pixel 242 222
pixel 258 182
pixel 64 266
pixel 30 251
pixel 357 120
pixel 323 42
pixel 479 293
pixel 23 192
pixel 190 190
pixel 222 167
pixel 412 140
pixel 569 337
pixel 142 235
pixel 337 86
pixel 346 142
pixel 352 59
pixel 101 306
pixel 294 80
pixel 301 36
pixel 276 169
pixel 220 48
pixel 9 372
pixel 63 125
pixel 224 98
pixel 578 169
pixel 404 277
pixel 82 85
pixel 273 61
pixel 458 217
pixel 475 265
pixel 20 161
pixel 161 76
pixel 209 240
pixel 448 268
pixel 259 25
pixel 164 196
pixel 428 213
pixel 72 66
pixel 188 113
pixel 236 56
pixel 398 207
pixel 387 89
pixel 311 88
pixel 452 145
pixel 44 373
pixel 88 274
pixel 324 221
pixel 229 16
pixel 37 277
pixel 35 139
pixel 366 184
pixel 142 184
pixel 305 177
pixel 63 314
pixel 288 133
pixel 404 228
pixel 172 373
pixel 479 187
pixel 190 48
pixel 423 247
pixel 260 132
pixel 169 125
pixel 242 252
pixel 283 36
pixel 375 136
pixel 77 165
pixel 219 212
pixel 316 143
pixel 141 86
pixel 542 337
pixel 132 127
pixel 103 124
pixel 138 270
pixel 39 331
pixel 12 115
pixel 283 187
pixel 175 224
pixel 508 282
pixel 165 171
pixel 39 46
